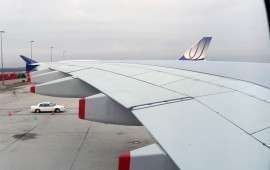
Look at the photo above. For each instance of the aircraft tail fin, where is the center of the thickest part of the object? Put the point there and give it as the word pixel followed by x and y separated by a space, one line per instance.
pixel 198 51
pixel 30 64
pixel 27 60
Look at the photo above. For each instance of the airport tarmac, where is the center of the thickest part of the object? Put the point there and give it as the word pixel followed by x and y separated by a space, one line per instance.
pixel 61 141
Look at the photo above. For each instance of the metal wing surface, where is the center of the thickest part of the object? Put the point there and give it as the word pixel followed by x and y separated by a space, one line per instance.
pixel 200 121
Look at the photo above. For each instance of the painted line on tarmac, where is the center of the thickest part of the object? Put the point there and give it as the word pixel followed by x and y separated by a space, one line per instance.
pixel 80 146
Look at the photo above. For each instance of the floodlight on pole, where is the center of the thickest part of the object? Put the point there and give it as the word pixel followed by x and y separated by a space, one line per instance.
pixel 31 47
pixel 2 61
pixel 51 53
pixel 64 55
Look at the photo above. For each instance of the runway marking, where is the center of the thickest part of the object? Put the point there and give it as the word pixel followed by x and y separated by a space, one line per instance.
pixel 80 146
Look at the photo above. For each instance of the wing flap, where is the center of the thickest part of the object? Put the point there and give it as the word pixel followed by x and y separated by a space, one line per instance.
pixel 196 137
pixel 248 113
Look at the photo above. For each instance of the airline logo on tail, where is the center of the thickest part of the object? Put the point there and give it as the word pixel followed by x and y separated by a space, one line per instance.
pixel 197 51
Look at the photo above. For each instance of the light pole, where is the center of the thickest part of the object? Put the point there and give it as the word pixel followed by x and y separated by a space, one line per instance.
pixel 3 80
pixel 51 53
pixel 31 48
pixel 64 55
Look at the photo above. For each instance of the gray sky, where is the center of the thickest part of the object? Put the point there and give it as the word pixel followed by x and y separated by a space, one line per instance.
pixel 128 29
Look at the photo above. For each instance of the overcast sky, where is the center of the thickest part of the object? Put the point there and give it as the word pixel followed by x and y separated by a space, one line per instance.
pixel 129 29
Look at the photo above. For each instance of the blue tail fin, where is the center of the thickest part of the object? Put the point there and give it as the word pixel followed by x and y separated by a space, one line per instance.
pixel 27 60
pixel 197 51
pixel 30 64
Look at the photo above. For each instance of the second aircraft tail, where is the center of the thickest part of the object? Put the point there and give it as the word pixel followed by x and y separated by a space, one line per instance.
pixel 197 51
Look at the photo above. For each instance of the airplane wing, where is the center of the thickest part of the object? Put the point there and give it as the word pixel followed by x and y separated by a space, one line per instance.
pixel 202 115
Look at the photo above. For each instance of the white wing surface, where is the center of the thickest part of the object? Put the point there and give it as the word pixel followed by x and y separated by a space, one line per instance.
pixel 200 121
